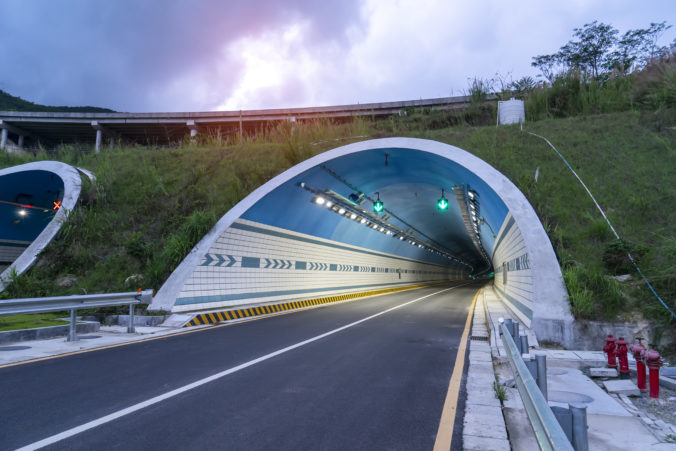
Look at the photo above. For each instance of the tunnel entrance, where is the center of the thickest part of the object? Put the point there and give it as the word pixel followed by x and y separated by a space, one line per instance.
pixel 367 216
pixel 34 199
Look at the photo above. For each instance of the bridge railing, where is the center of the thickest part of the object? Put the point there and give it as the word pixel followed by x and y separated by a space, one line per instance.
pixel 73 303
pixel 548 432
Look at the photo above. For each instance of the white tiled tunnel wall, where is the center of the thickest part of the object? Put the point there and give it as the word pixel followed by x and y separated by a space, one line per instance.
pixel 513 274
pixel 256 263
pixel 10 251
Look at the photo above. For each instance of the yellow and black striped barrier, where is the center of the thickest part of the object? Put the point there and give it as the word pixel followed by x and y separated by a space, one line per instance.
pixel 250 312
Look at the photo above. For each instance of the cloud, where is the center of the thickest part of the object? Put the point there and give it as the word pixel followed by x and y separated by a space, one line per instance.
pixel 141 55
pixel 173 55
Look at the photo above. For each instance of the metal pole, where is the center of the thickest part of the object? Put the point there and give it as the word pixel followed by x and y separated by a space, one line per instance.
pixel 508 324
pixel 72 333
pixel 130 327
pixel 580 440
pixel 542 374
pixel 532 367
pixel 524 344
pixel 515 335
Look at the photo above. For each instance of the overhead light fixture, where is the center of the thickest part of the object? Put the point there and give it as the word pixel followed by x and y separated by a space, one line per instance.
pixel 320 200
pixel 353 216
pixel 378 205
pixel 442 203
pixel 341 211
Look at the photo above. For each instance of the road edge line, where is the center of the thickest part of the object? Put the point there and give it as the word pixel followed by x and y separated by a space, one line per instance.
pixel 449 411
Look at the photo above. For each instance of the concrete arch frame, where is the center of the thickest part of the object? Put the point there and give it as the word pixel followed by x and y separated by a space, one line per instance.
pixel 548 312
pixel 72 185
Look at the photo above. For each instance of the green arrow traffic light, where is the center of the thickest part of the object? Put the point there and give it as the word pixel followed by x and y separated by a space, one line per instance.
pixel 378 206
pixel 442 204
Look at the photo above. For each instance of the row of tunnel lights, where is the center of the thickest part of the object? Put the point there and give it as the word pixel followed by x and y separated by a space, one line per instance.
pixel 378 207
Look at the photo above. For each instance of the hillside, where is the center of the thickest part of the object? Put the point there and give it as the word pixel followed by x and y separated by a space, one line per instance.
pixel 9 102
pixel 154 204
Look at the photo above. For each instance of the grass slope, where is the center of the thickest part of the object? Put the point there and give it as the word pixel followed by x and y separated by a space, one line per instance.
pixel 153 204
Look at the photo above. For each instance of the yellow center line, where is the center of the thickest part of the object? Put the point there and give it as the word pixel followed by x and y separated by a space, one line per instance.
pixel 449 411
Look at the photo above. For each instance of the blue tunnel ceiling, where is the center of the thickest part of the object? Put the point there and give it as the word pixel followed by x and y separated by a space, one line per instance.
pixel 26 203
pixel 409 183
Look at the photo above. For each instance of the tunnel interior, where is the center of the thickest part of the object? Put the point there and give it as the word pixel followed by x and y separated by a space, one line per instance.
pixel 335 201
pixel 28 202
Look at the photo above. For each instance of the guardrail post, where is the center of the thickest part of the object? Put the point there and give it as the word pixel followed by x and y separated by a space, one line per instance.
pixel 508 325
pixel 524 344
pixel 542 374
pixel 515 336
pixel 565 418
pixel 130 327
pixel 72 333
pixel 580 440
pixel 532 367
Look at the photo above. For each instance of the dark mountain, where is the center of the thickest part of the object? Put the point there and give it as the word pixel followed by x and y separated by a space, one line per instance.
pixel 9 102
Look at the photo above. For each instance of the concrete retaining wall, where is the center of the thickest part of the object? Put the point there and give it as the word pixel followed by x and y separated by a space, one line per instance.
pixel 253 263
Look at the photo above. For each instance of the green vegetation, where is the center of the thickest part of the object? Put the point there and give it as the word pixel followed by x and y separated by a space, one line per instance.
pixel 17 322
pixel 500 392
pixel 9 102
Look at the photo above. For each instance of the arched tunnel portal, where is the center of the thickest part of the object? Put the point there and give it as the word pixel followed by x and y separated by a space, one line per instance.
pixel 313 231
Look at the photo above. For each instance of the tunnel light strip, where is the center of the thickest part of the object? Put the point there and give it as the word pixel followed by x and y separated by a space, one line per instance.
pixel 385 210
pixel 468 201
pixel 338 204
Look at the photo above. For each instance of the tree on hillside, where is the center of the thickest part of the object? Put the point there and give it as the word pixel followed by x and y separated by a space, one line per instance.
pixel 637 48
pixel 596 48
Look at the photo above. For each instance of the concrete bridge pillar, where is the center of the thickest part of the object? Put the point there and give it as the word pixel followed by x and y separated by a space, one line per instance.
pixel 3 139
pixel 99 135
pixel 20 143
pixel 194 128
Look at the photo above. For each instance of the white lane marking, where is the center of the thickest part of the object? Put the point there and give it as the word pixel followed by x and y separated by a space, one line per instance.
pixel 170 394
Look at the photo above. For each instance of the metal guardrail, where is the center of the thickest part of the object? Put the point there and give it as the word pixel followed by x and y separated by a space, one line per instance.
pixel 548 432
pixel 74 303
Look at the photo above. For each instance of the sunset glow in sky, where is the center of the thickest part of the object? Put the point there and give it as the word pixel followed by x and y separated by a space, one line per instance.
pixel 172 55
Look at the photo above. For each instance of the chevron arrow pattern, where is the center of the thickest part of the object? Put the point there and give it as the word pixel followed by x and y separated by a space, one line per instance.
pixel 229 261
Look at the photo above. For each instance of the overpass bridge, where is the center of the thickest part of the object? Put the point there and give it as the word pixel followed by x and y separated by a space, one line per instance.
pixel 51 129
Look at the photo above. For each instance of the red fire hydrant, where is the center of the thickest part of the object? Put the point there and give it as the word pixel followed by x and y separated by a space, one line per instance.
pixel 609 349
pixel 622 357
pixel 654 363
pixel 638 350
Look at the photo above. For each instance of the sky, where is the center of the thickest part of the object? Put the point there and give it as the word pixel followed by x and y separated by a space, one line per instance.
pixel 180 55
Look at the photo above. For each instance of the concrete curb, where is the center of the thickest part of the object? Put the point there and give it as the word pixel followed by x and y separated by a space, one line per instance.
pixel 483 423
pixel 41 333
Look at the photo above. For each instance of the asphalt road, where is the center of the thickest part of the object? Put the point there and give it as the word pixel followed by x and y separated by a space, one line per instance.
pixel 377 384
